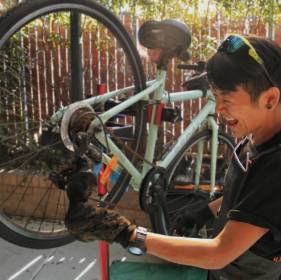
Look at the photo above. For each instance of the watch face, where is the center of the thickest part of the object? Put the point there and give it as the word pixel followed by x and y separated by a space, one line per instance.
pixel 135 250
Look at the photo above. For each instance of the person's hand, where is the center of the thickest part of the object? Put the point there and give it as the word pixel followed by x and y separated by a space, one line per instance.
pixel 192 217
pixel 87 222
pixel 90 223
pixel 80 186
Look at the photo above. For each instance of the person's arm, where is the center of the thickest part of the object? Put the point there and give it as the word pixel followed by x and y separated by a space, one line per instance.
pixel 234 239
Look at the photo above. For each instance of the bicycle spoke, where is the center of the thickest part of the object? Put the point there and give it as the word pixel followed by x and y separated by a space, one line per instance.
pixel 29 156
pixel 18 134
pixel 32 215
pixel 46 196
pixel 56 210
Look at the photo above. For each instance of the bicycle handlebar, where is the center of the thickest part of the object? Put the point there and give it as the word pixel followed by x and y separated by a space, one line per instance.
pixel 187 66
pixel 199 67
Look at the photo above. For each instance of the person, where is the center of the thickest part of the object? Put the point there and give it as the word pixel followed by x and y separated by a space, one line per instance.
pixel 245 77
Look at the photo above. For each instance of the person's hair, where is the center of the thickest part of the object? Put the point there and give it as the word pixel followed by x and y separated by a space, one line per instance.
pixel 227 71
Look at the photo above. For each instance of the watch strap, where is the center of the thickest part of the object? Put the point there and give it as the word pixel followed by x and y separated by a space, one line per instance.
pixel 137 246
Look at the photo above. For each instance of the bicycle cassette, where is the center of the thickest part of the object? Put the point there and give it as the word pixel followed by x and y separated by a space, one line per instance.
pixel 153 188
pixel 76 119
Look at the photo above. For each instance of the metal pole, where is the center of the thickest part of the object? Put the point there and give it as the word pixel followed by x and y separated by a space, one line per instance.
pixel 76 88
pixel 103 246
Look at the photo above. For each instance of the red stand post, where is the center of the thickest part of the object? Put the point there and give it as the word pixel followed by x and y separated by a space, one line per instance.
pixel 103 246
pixel 101 89
pixel 104 260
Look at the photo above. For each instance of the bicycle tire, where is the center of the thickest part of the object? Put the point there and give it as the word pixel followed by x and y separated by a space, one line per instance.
pixel 178 196
pixel 14 20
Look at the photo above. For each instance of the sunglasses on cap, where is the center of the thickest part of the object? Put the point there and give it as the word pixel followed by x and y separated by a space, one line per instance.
pixel 235 42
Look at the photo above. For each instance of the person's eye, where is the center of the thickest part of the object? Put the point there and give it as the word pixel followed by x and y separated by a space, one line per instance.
pixel 227 102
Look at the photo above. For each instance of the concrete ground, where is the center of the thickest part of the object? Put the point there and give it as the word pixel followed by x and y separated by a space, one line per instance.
pixel 75 261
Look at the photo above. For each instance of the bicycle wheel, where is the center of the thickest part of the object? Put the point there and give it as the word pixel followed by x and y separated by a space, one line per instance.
pixel 182 191
pixel 34 84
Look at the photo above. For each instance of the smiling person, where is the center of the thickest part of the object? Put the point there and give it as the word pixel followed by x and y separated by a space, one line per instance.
pixel 245 77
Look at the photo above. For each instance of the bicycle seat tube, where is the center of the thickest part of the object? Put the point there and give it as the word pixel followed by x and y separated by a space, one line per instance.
pixel 153 128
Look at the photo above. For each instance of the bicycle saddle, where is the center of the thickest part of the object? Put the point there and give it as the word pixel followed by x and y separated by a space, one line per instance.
pixel 168 34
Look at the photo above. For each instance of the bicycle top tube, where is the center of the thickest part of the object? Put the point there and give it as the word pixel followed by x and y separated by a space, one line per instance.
pixel 187 95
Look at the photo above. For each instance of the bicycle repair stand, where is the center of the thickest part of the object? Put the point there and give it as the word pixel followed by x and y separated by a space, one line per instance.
pixel 104 260
pixel 103 246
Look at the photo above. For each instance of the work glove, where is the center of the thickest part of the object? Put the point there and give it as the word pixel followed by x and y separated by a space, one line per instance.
pixel 192 219
pixel 80 186
pixel 92 223
pixel 87 222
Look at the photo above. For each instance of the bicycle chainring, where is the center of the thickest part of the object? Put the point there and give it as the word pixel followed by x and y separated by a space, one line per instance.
pixel 153 189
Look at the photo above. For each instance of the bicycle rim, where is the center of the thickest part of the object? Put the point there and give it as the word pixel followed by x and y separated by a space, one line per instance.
pixel 34 33
pixel 182 191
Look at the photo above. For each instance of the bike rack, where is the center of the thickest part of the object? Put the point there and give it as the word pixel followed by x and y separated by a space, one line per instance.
pixel 103 246
pixel 104 260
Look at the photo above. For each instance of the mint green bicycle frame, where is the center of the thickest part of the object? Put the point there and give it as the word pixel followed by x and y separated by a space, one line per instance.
pixel 156 89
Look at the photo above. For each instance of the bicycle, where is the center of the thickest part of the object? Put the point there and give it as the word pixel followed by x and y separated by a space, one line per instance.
pixel 108 128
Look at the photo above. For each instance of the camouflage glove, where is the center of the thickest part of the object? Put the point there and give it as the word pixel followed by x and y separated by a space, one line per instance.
pixel 76 178
pixel 88 223
pixel 80 186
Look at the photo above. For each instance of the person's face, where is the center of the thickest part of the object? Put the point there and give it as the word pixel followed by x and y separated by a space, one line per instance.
pixel 243 115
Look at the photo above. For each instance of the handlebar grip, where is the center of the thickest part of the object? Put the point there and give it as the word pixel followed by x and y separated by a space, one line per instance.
pixel 199 67
pixel 187 66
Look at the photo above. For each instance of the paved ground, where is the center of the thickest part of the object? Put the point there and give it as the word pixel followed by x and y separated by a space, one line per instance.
pixel 76 261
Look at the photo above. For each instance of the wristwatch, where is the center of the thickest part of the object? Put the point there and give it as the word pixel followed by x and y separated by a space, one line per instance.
pixel 137 247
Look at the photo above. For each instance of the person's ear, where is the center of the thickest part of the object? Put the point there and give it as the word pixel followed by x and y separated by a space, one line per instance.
pixel 269 99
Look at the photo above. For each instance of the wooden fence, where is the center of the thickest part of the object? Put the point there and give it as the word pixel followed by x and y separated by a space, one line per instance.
pixel 43 75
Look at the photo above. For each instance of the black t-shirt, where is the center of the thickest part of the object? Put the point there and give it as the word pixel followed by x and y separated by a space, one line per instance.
pixel 254 196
